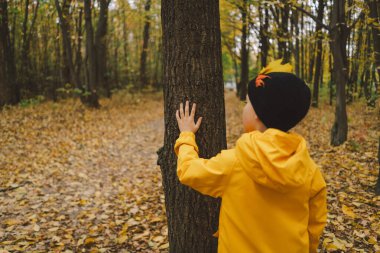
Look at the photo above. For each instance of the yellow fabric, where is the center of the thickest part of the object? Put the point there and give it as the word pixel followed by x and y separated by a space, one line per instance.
pixel 276 66
pixel 273 194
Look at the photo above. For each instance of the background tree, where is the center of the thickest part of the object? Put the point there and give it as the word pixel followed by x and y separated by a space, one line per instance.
pixel 92 97
pixel 69 74
pixel 100 43
pixel 144 52
pixel 192 70
pixel 9 92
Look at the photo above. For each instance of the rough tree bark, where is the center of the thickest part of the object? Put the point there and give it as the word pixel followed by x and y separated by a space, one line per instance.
pixel 144 52
pixel 9 91
pixel 192 70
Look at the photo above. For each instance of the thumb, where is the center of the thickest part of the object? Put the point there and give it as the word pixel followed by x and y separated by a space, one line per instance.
pixel 198 124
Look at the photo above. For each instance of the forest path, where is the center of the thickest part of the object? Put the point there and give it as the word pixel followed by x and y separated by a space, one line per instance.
pixel 79 180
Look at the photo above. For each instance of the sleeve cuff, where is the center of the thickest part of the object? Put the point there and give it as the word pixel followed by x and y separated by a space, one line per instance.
pixel 185 138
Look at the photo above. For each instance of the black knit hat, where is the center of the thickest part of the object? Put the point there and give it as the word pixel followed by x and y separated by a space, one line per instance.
pixel 280 99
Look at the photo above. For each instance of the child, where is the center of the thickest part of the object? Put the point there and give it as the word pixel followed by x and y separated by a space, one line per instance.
pixel 273 194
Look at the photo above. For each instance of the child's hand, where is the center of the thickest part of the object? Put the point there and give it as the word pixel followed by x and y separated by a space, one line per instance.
pixel 185 119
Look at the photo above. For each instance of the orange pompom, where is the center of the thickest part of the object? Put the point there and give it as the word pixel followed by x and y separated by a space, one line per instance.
pixel 259 80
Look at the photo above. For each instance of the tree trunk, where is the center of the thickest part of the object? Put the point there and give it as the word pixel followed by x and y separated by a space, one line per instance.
pixel 125 44
pixel 244 74
pixel 78 54
pixel 318 60
pixel 302 60
pixel 353 80
pixel 297 43
pixel 377 188
pixel 23 76
pixel 26 74
pixel 69 74
pixel 263 33
pixel 339 34
pixel 91 97
pixel 144 53
pixel 374 8
pixel 284 43
pixel 101 48
pixel 192 70
pixel 9 91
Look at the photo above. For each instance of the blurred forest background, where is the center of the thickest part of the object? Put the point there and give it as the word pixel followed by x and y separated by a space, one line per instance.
pixel 53 49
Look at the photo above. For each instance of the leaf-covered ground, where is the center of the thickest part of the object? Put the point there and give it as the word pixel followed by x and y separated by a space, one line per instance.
pixel 79 180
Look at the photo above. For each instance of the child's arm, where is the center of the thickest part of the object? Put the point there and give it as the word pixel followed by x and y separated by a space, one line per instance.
pixel 317 211
pixel 208 176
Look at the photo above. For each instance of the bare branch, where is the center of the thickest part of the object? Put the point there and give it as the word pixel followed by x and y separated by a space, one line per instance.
pixel 311 16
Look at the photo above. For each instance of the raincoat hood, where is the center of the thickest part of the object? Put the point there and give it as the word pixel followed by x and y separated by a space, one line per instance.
pixel 275 159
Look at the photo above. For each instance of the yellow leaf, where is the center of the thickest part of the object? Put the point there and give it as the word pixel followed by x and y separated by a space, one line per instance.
pixel 11 222
pixel 89 240
pixel 372 240
pixel 348 211
pixel 122 239
pixel 164 246
pixel 158 238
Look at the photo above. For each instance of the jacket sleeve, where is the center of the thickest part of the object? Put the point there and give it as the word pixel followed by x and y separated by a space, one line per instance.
pixel 208 176
pixel 317 210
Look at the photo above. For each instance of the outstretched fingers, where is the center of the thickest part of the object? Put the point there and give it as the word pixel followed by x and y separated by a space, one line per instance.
pixel 187 109
pixel 193 108
pixel 182 114
pixel 198 124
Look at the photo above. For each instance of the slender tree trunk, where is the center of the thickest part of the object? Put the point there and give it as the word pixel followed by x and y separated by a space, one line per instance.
pixel 318 60
pixel 244 74
pixel 353 80
pixel 192 70
pixel 26 38
pixel 100 44
pixel 144 53
pixel 69 74
pixel 297 43
pixel 264 38
pixel 24 54
pixel 91 98
pixel 9 91
pixel 58 69
pixel 377 187
pixel 302 69
pixel 284 43
pixel 374 8
pixel 78 54
pixel 125 44
pixel 339 35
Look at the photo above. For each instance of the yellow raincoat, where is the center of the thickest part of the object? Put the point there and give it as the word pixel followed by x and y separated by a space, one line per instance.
pixel 273 194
